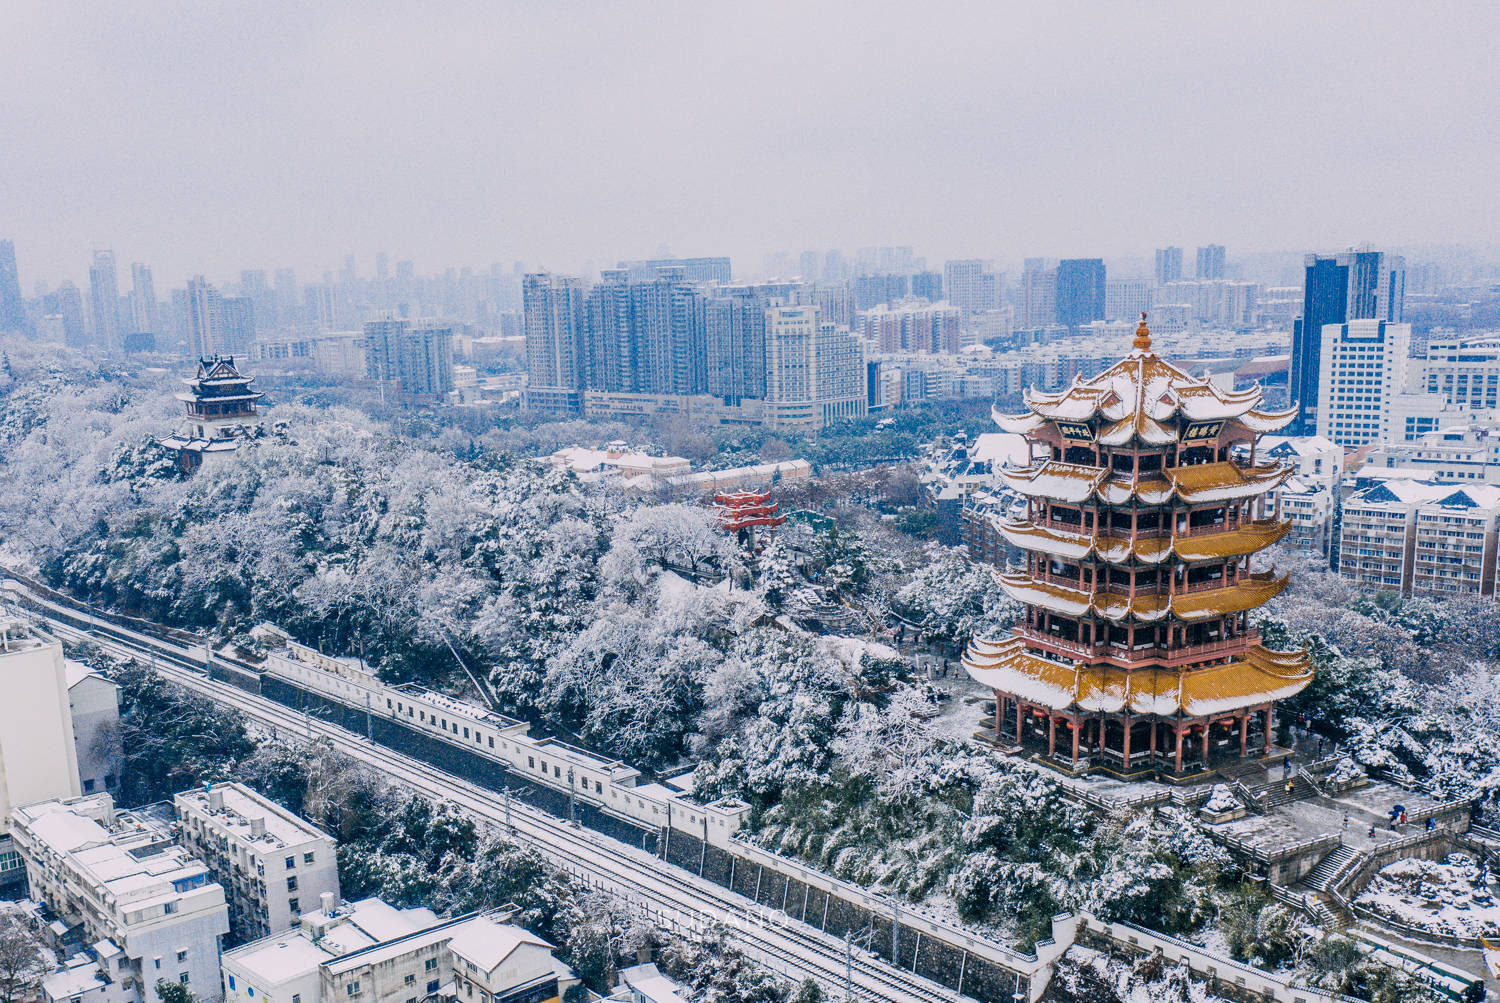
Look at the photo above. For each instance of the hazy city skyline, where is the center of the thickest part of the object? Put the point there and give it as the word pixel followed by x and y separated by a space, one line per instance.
pixel 202 140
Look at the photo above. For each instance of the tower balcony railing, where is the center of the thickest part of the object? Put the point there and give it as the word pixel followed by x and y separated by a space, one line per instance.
pixel 1145 652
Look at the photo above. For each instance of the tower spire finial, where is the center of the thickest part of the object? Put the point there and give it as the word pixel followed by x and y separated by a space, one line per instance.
pixel 1142 335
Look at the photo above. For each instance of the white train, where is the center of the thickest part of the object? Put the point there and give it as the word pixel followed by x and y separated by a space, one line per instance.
pixel 610 785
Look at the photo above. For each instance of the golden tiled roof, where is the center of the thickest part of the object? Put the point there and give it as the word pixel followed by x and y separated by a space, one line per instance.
pixel 1197 484
pixel 1076 546
pixel 1248 593
pixel 1261 676
pixel 1204 483
pixel 1140 398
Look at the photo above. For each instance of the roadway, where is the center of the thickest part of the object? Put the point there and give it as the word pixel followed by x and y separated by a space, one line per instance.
pixel 674 899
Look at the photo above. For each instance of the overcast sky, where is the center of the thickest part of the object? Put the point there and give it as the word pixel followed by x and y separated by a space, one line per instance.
pixel 208 137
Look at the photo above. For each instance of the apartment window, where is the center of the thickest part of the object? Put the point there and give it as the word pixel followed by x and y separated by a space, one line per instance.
pixel 88 787
pixel 432 964
pixel 181 955
pixel 157 961
pixel 531 762
pixel 492 741
pixel 182 977
pixel 352 989
pixel 291 883
pixel 307 859
pixel 432 986
pixel 296 998
pixel 231 982
pixel 291 862
pixel 411 980
pixel 294 905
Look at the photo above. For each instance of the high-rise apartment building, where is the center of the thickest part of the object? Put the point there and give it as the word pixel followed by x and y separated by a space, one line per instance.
pixel 148 911
pixel 1210 263
pixel 104 298
pixel 66 304
pixel 416 357
pixel 205 319
pixel 815 372
pixel 556 351
pixel 927 286
pixel 142 300
pixel 237 324
pixel 1080 291
pixel 272 863
pixel 735 332
pixel 1126 299
pixel 1168 264
pixel 913 327
pixel 1350 285
pixel 1363 365
pixel 691 269
pixel 12 307
pixel 38 756
pixel 971 285
pixel 1038 294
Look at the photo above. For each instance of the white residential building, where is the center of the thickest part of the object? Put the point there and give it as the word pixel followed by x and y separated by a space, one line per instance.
pixel 120 886
pixel 646 984
pixel 1308 498
pixel 370 952
pixel 1315 460
pixel 496 962
pixel 270 862
pixel 1467 453
pixel 1453 552
pixel 1422 538
pixel 94 704
pixel 1363 367
pixel 1463 371
pixel 1410 416
pixel 1378 535
pixel 38 754
pixel 1309 507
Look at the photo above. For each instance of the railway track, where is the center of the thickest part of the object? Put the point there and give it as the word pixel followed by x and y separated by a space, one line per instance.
pixel 670 897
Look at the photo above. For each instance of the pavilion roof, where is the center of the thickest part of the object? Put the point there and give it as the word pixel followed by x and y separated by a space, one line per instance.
pixel 1140 397
pixel 1197 484
pixel 1260 676
pixel 1074 546
pixel 1249 592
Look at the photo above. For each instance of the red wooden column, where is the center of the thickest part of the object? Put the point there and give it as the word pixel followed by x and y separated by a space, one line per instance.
pixel 1019 711
pixel 1270 715
pixel 1180 732
pixel 1126 748
pixel 999 710
pixel 1051 733
pixel 1074 725
pixel 1244 733
pixel 1153 740
pixel 1207 726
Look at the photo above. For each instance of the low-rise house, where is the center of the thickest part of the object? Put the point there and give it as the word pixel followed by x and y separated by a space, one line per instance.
pixel 371 952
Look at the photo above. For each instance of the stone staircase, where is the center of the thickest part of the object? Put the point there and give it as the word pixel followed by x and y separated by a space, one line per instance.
pixel 1276 793
pixel 1328 917
pixel 1327 869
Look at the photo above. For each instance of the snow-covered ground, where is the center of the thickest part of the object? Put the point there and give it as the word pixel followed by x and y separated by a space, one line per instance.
pixel 1439 897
